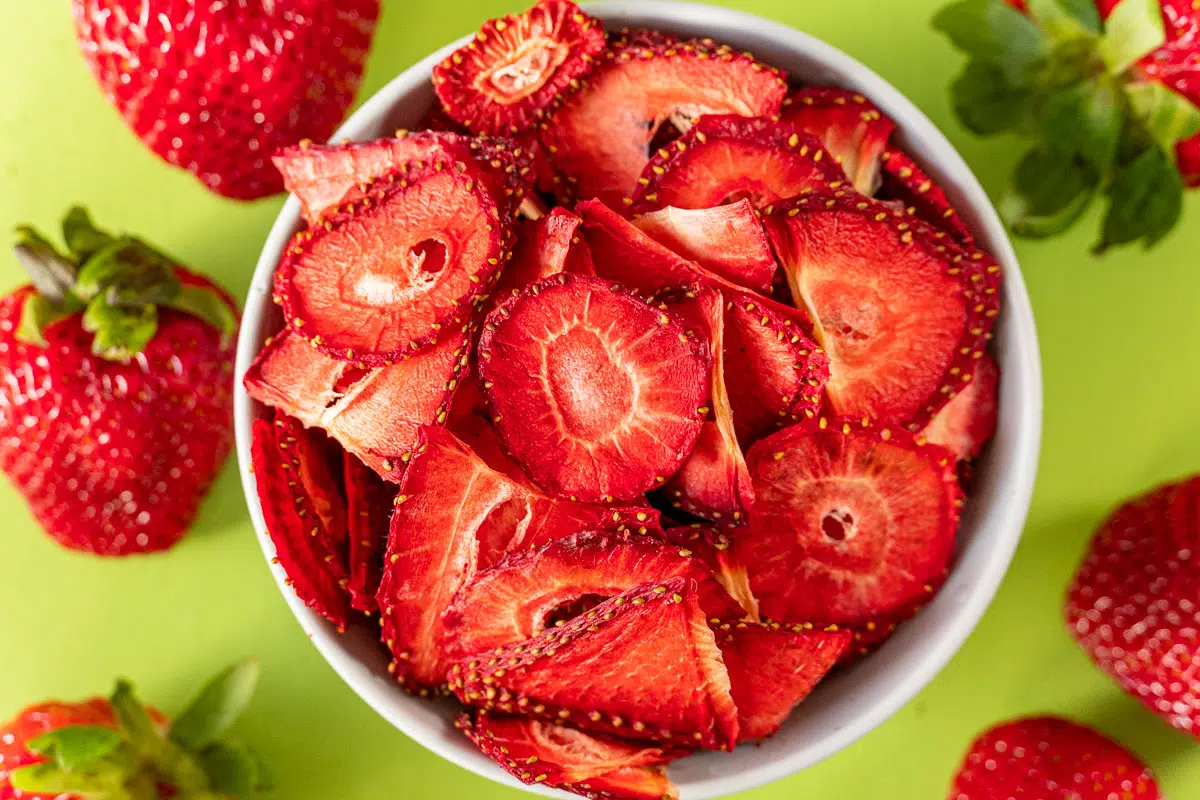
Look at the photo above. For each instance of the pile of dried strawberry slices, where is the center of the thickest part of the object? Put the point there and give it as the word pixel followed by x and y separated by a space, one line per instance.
pixel 631 394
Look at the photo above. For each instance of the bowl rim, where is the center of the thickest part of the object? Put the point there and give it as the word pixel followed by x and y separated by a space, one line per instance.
pixel 1023 371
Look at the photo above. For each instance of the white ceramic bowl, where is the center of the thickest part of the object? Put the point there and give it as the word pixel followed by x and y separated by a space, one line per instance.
pixel 854 702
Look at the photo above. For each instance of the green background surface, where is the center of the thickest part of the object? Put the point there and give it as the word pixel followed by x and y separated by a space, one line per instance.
pixel 1118 335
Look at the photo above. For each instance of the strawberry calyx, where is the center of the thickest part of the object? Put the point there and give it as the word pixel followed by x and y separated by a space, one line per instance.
pixel 118 283
pixel 144 759
pixel 1072 81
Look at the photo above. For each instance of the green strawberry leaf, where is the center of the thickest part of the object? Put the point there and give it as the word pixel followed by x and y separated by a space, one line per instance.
pixel 231 768
pixel 1050 191
pixel 83 238
pixel 120 332
pixel 53 780
pixel 217 706
pixel 39 313
pixel 1067 18
pixel 207 304
pixel 132 716
pixel 76 745
pixel 1146 201
pixel 994 32
pixel 1168 117
pixel 129 273
pixel 1134 29
pixel 1086 121
pixel 49 271
pixel 987 103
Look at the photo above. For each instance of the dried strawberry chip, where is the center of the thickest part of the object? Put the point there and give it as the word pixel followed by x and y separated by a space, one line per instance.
pixel 869 636
pixel 373 413
pixel 517 69
pixel 559 757
pixel 368 511
pixel 545 247
pixel 903 180
pixel 771 669
pixel 383 277
pixel 597 394
pixel 435 118
pixel 714 547
pixel 903 311
pixel 713 483
pixel 727 240
pixel 728 157
pixel 455 516
pixel 297 504
pixel 522 594
pixel 470 422
pixel 851 521
pixel 602 137
pixel 852 129
pixel 968 421
pixel 776 375
pixel 643 665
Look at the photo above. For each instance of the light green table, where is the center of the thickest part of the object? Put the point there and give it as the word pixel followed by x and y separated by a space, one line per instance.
pixel 1121 346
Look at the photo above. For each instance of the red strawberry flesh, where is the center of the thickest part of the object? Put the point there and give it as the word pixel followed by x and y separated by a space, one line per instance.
pixel 968 421
pixel 852 129
pixel 597 394
pixel 545 247
pixel 643 665
pixel 368 512
pixel 850 521
pixel 904 180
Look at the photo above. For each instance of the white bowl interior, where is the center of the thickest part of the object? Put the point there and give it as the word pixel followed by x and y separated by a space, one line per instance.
pixel 854 702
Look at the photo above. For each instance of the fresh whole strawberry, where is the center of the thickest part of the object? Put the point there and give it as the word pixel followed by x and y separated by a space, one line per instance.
pixel 115 748
pixel 217 88
pixel 116 395
pixel 1047 758
pixel 1109 94
pixel 1132 605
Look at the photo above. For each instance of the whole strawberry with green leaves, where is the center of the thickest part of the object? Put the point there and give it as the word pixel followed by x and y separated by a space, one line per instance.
pixel 116 373
pixel 115 748
pixel 1108 91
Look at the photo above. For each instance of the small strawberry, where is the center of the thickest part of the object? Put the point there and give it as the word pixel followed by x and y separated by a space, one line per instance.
pixel 1046 758
pixel 216 88
pixel 1133 605
pixel 115 748
pixel 115 389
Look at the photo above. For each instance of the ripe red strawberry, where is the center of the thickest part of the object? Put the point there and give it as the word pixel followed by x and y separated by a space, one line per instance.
pixel 1048 758
pixel 216 88
pixel 113 746
pixel 1133 602
pixel 116 399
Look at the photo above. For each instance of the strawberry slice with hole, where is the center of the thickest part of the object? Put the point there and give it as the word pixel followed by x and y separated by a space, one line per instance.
pixel 383 277
pixel 713 482
pixel 1051 757
pixel 602 137
pixel 545 247
pixel 852 129
pixel 643 665
pixel 527 592
pixel 727 240
pixel 597 395
pixel 368 512
pixel 559 757
pixel 714 546
pixel 851 521
pixel 302 511
pixel 518 69
pixel 903 312
pixel 373 413
pixel 968 421
pixel 453 517
pixel 725 158
pixel 905 181
pixel 772 669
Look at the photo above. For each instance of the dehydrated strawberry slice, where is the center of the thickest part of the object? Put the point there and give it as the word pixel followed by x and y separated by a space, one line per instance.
pixel 643 665
pixel 771 669
pixel 903 180
pixel 713 483
pixel 470 422
pixel 968 421
pixel 596 394
pixel 382 278
pixel 727 240
pixel 714 547
pixel 871 635
pixel 517 69
pixel 554 755
pixel 372 413
pixel 298 504
pixel 852 129
pixel 851 521
pixel 455 516
pixel 776 375
pixel 727 157
pixel 521 595
pixel 368 511
pixel 545 247
pixel 902 311
pixel 601 138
